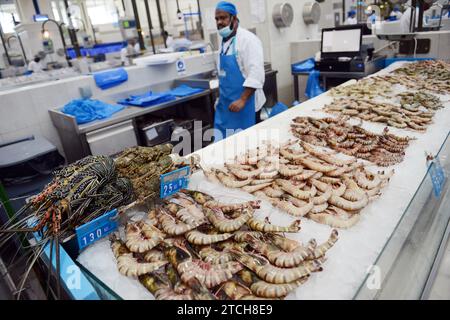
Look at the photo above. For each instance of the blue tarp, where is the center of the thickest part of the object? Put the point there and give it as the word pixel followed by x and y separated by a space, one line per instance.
pixel 111 78
pixel 277 109
pixel 148 99
pixel 87 110
pixel 304 66
pixel 153 98
pixel 185 91
pixel 313 88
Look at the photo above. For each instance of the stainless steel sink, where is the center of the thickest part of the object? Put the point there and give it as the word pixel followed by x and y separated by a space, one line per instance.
pixel 204 76
pixel 200 80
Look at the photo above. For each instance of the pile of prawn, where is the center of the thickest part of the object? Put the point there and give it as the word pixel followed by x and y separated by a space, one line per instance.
pixel 384 149
pixel 403 117
pixel 305 182
pixel 194 247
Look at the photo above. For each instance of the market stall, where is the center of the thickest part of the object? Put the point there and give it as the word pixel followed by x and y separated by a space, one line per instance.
pixel 324 225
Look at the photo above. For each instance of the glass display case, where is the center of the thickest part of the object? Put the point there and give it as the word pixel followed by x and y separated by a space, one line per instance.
pixel 407 265
pixel 102 290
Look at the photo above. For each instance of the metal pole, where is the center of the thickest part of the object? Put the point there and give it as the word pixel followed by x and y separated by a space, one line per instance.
pixel 36 7
pixel 150 25
pixel 93 31
pixel 412 23
pixel 72 32
pixel 186 28
pixel 138 25
pixel 200 20
pixel 61 32
pixel 89 22
pixel 192 20
pixel 359 10
pixel 4 45
pixel 343 11
pixel 161 23
pixel 420 25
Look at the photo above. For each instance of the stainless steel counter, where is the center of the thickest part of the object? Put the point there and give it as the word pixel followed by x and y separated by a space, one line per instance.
pixel 121 130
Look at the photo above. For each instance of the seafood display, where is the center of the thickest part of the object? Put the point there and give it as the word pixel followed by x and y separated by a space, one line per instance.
pixel 144 166
pixel 410 117
pixel 428 69
pixel 383 150
pixel 191 246
pixel 77 194
pixel 413 101
pixel 368 88
pixel 307 182
pixel 431 76
pixel 194 247
pixel 416 83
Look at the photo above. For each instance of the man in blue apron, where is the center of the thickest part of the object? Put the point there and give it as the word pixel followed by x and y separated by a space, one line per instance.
pixel 241 74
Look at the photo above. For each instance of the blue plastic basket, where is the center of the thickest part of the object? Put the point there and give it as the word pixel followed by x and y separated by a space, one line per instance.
pixel 98 49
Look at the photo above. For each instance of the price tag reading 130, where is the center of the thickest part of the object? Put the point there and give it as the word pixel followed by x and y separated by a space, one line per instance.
pixel 174 181
pixel 96 229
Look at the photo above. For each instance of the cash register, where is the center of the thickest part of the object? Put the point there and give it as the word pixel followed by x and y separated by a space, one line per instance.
pixel 342 51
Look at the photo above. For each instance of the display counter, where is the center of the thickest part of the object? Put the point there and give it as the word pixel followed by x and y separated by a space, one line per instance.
pixel 392 252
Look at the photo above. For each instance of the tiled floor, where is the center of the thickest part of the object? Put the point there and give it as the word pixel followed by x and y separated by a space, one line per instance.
pixel 441 286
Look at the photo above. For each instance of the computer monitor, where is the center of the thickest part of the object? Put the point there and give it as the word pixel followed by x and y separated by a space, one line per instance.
pixel 341 41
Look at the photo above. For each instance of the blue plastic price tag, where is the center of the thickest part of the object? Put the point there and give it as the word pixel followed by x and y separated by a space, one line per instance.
pixel 438 177
pixel 174 181
pixel 92 231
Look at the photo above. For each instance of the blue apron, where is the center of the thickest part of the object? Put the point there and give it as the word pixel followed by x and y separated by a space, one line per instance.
pixel 231 86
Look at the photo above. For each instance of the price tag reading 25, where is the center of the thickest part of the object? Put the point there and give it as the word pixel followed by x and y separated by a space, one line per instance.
pixel 174 181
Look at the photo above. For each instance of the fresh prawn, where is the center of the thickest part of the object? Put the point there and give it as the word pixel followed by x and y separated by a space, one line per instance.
pixel 223 224
pixel 264 226
pixel 272 274
pixel 142 237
